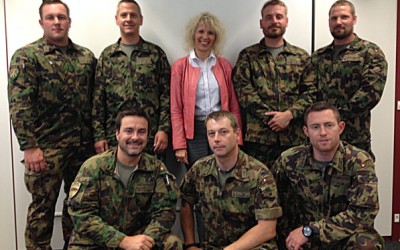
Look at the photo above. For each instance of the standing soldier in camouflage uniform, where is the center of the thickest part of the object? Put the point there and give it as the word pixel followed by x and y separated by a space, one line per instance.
pixel 50 96
pixel 131 74
pixel 328 189
pixel 268 79
pixel 236 193
pixel 351 74
pixel 124 198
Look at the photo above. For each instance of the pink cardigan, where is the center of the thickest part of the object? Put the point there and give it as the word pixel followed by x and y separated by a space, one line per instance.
pixel 184 80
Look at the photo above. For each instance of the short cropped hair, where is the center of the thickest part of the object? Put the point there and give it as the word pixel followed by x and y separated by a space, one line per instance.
pixel 321 106
pixel 130 112
pixel 273 3
pixel 210 20
pixel 344 3
pixel 130 1
pixel 218 115
pixel 48 2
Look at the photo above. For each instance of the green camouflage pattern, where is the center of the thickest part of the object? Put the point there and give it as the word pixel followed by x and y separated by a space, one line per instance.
pixel 169 242
pixel 104 211
pixel 339 202
pixel 140 82
pixel 263 84
pixel 353 82
pixel 250 194
pixel 62 165
pixel 267 154
pixel 50 95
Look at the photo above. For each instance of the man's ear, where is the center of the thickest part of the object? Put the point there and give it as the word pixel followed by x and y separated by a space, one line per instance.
pixel 342 125
pixel 116 134
pixel 355 20
pixel 305 130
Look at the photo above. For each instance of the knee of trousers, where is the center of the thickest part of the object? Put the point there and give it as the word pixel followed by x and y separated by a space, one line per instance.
pixel 172 241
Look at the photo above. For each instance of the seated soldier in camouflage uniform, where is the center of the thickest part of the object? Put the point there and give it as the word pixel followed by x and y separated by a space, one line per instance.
pixel 124 198
pixel 327 189
pixel 236 193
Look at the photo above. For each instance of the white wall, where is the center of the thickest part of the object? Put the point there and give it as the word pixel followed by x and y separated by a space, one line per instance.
pixel 93 26
pixel 7 225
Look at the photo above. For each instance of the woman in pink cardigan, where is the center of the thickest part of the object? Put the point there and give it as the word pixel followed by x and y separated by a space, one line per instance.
pixel 200 84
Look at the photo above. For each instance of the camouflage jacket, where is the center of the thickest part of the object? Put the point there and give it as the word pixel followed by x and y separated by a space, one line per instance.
pixel 104 211
pixel 337 201
pixel 249 195
pixel 263 84
pixel 354 82
pixel 50 95
pixel 139 82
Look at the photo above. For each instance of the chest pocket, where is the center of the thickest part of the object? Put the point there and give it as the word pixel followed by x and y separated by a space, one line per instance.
pixel 339 193
pixel 351 69
pixel 290 69
pixel 238 204
pixel 144 190
pixel 241 193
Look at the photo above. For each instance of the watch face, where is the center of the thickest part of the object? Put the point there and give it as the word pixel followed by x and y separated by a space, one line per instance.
pixel 307 231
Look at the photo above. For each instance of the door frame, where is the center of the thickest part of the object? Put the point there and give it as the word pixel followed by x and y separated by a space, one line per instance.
pixel 396 156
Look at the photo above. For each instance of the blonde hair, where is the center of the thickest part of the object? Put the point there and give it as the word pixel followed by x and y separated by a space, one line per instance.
pixel 211 21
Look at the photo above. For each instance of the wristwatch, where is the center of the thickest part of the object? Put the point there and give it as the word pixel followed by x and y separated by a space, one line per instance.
pixel 307 231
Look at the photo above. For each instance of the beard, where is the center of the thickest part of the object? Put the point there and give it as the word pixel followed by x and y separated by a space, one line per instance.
pixel 124 146
pixel 341 34
pixel 274 32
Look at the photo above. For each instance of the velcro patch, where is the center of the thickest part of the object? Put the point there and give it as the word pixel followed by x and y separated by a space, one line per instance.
pixel 14 72
pixel 241 192
pixel 74 188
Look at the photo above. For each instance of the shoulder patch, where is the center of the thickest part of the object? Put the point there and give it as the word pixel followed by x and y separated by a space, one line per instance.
pixel 14 72
pixel 74 188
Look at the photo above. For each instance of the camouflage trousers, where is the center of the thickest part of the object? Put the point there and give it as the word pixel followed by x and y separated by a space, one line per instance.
pixel 44 187
pixel 362 240
pixel 267 154
pixel 270 245
pixel 170 242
